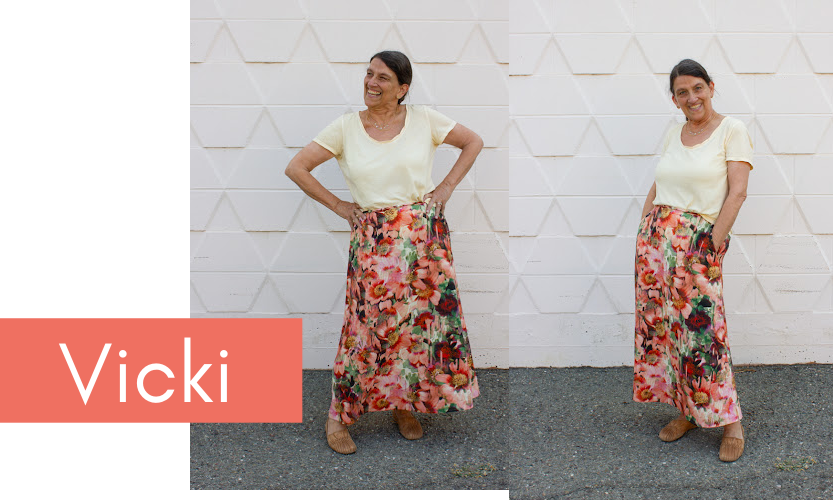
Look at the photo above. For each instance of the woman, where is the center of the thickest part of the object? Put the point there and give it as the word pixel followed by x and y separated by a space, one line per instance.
pixel 404 345
pixel 682 353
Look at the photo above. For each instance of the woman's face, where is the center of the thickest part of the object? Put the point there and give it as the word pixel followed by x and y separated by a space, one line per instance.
pixel 381 87
pixel 694 97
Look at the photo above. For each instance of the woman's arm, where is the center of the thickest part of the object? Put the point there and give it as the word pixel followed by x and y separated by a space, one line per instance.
pixel 649 200
pixel 738 179
pixel 299 169
pixel 470 144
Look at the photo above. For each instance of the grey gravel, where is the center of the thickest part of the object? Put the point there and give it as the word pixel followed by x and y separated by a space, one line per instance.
pixel 571 433
pixel 578 435
pixel 296 456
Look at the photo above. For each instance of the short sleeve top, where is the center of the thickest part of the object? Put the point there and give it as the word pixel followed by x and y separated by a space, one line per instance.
pixel 695 178
pixel 388 173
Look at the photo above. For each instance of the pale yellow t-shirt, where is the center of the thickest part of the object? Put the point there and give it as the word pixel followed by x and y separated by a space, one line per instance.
pixel 695 178
pixel 387 173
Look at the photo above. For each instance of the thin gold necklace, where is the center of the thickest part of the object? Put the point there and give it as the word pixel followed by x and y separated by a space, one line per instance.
pixel 703 128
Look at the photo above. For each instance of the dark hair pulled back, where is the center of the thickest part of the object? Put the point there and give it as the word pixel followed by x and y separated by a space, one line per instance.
pixel 688 67
pixel 399 64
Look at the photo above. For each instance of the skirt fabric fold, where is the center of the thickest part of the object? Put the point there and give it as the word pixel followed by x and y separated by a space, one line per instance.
pixel 682 353
pixel 404 343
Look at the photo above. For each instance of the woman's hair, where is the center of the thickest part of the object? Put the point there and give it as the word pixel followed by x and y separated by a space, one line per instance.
pixel 399 64
pixel 688 67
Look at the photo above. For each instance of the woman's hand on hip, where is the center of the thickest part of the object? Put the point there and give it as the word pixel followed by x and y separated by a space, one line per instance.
pixel 438 198
pixel 349 211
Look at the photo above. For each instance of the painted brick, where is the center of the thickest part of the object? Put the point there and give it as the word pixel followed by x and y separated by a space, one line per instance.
pixel 495 209
pixel 366 38
pixel 779 131
pixel 664 50
pixel 490 170
pixel 593 54
pixel 816 210
pixel 552 256
pixel 439 10
pixel 227 252
pixel 337 10
pixel 481 293
pixel 266 40
pixel 224 126
pixel 546 95
pixel 310 292
pixel 791 255
pixel 529 17
pixel 794 292
pixel 309 253
pixel 813 15
pixel 525 52
pixel 805 95
pixel 558 294
pixel 435 42
pixel 479 253
pixel 490 90
pixel 203 34
pixel 299 125
pixel 660 16
pixel 266 210
pixel 202 206
pixel 227 292
pixel 769 16
pixel 614 18
pixel 290 84
pixel 222 83
pixel 552 135
pixel 204 9
pixel 755 53
pixel 497 34
pixel 814 174
pixel 260 9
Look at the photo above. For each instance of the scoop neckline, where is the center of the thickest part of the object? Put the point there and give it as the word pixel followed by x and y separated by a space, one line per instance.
pixel 680 134
pixel 394 138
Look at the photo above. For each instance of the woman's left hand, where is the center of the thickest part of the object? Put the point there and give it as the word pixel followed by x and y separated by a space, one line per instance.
pixel 437 198
pixel 718 237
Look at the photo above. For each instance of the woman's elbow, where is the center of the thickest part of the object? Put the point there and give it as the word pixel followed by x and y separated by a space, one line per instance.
pixel 476 143
pixel 739 195
pixel 291 170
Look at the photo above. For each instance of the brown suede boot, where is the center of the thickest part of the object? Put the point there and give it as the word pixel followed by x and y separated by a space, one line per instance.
pixel 731 448
pixel 408 424
pixel 339 441
pixel 675 430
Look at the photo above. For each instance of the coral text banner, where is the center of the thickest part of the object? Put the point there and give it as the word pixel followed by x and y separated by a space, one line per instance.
pixel 150 370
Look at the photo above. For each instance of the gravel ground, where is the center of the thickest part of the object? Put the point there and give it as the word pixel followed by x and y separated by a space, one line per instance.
pixel 572 433
pixel 462 451
pixel 587 440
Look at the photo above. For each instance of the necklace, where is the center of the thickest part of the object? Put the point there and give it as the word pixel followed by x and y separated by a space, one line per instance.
pixel 702 128
pixel 376 124
pixel 380 127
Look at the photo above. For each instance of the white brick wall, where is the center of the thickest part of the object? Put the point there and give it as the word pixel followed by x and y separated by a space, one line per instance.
pixel 589 106
pixel 571 144
pixel 266 77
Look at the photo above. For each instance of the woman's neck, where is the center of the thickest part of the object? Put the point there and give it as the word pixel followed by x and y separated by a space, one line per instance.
pixel 383 113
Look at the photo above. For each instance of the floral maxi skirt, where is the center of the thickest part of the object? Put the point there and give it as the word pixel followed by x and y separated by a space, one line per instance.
pixel 404 343
pixel 682 353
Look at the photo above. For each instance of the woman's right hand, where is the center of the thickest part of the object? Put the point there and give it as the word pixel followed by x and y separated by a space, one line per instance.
pixel 348 211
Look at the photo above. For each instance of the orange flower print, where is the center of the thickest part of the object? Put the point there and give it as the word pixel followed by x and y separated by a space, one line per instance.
pixel 404 340
pixel 681 354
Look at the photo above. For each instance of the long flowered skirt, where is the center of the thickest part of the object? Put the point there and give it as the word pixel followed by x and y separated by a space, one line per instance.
pixel 404 343
pixel 682 353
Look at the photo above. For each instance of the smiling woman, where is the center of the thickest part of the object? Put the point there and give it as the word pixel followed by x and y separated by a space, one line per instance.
pixel 682 353
pixel 404 344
